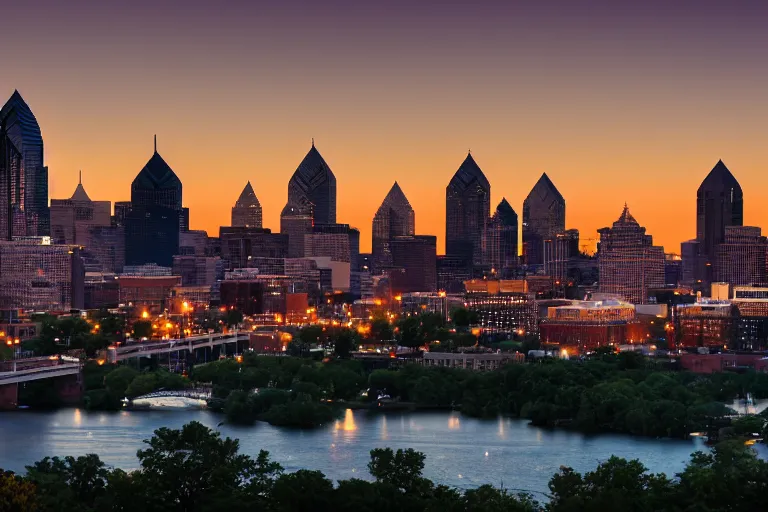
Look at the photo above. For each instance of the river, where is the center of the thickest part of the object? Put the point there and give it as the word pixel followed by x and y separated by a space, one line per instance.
pixel 462 452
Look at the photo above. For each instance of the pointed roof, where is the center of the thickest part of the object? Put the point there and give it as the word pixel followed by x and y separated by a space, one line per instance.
pixel 156 175
pixel 544 188
pixel 247 198
pixel 80 194
pixel 312 170
pixel 505 213
pixel 30 129
pixel 396 199
pixel 626 217
pixel 720 178
pixel 467 174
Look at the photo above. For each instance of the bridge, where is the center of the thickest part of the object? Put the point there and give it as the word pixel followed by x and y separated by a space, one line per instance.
pixel 193 393
pixel 118 353
pixel 18 372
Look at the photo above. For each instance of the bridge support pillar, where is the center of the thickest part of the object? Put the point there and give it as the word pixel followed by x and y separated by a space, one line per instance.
pixel 70 389
pixel 9 396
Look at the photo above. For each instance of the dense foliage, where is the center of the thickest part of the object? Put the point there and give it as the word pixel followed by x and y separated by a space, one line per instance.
pixel 107 385
pixel 194 470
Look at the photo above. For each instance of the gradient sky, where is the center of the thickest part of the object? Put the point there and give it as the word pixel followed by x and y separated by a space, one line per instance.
pixel 616 101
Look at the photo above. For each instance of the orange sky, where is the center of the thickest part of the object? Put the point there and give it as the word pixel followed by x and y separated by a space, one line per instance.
pixel 622 109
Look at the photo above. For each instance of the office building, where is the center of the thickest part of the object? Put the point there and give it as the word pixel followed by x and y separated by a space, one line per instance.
pixel 751 318
pixel 467 209
pixel 72 218
pixel 629 263
pixel 740 258
pixel 295 223
pixel 719 203
pixel 559 253
pixel 196 270
pixel 155 218
pixel 394 218
pixel 500 240
pixel 584 326
pixel 414 264
pixel 23 175
pixel 247 210
pixel 708 323
pixel 312 188
pixel 239 245
pixel 543 219
pixel 503 306
pixel 42 277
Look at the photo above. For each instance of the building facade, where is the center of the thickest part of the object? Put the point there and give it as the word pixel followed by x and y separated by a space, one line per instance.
pixel 239 245
pixel 740 258
pixel 719 203
pixel 629 263
pixel 467 209
pixel 500 240
pixel 543 218
pixel 414 264
pixel 312 188
pixel 247 210
pixel 394 218
pixel 71 219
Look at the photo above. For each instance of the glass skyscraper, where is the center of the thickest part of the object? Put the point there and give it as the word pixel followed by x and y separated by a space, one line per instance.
pixel 543 219
pixel 395 217
pixel 500 242
pixel 467 209
pixel 719 203
pixel 313 187
pixel 23 177
pixel 152 225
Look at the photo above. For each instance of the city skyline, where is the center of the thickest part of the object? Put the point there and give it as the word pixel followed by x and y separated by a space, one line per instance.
pixel 630 122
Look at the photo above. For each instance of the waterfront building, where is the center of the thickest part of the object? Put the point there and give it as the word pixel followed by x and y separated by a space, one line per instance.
pixel 467 209
pixel 740 258
pixel 394 218
pixel 247 210
pixel 37 275
pixel 543 218
pixel 23 175
pixel 708 323
pixel 629 263
pixel 155 217
pixel 584 326
pixel 500 240
pixel 504 306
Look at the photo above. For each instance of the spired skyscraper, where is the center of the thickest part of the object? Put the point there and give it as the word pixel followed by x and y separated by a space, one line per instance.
pixel 543 219
pixel 395 217
pixel 152 226
pixel 500 241
pixel 719 203
pixel 467 209
pixel 23 177
pixel 311 200
pixel 247 210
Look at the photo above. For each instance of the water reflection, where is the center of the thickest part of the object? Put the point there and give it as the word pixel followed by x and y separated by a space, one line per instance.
pixel 348 425
pixel 77 418
pixel 384 434
pixel 501 432
pixel 454 423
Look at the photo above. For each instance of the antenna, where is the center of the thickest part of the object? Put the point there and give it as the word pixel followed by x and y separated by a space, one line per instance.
pixel 155 143
pixel 80 179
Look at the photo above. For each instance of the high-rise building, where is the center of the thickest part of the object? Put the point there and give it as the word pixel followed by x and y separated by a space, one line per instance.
pixel 152 226
pixel 740 258
pixel 543 219
pixel 414 264
pixel 467 209
pixel 23 175
pixel 247 210
pixel 38 276
pixel 719 203
pixel 629 263
pixel 295 222
pixel 72 218
pixel 312 188
pixel 395 217
pixel 500 240
pixel 693 264
pixel 239 245
pixel 558 253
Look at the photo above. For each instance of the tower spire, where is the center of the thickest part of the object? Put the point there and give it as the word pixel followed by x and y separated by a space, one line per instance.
pixel 155 143
pixel 80 177
pixel 313 142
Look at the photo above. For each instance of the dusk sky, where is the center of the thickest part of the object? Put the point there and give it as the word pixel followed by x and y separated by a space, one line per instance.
pixel 616 101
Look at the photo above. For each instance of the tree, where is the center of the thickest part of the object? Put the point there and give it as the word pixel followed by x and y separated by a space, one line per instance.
pixel 345 341
pixel 303 490
pixel 142 385
pixel 463 318
pixel 118 380
pixel 401 469
pixel 312 335
pixel 233 317
pixel 17 494
pixel 410 332
pixel 69 484
pixel 142 329
pixel 381 330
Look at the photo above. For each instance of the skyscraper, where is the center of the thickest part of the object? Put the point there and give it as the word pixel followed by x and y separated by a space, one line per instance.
pixel 23 177
pixel 313 188
pixel 152 226
pixel 719 203
pixel 395 217
pixel 296 222
pixel 543 219
pixel 740 258
pixel 500 241
pixel 629 263
pixel 414 261
pixel 247 210
pixel 72 218
pixel 467 209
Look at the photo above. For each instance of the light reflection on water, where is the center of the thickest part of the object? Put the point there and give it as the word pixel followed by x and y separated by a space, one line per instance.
pixel 518 455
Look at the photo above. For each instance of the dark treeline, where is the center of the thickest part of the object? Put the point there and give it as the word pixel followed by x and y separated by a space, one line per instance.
pixel 194 470
pixel 624 393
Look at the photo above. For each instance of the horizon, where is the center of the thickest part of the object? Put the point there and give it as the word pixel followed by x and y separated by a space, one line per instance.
pixel 616 104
